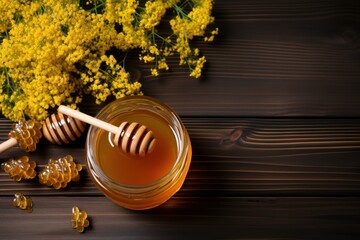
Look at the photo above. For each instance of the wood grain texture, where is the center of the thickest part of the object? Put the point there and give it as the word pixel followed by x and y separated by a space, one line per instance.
pixel 278 58
pixel 263 167
pixel 187 218
pixel 236 157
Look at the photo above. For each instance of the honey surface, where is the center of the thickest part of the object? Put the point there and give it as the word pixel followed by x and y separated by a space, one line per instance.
pixel 134 170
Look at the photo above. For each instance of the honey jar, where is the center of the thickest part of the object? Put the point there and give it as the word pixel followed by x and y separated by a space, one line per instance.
pixel 139 182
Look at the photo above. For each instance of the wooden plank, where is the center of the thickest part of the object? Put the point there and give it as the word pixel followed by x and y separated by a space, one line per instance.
pixel 187 218
pixel 275 156
pixel 240 157
pixel 271 59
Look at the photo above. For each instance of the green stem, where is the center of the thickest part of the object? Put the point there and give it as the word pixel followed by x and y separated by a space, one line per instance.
pixel 106 73
pixel 9 83
pixel 97 6
pixel 124 59
pixel 41 10
pixel 153 35
pixel 4 35
pixel 162 38
pixel 180 12
pixel 17 18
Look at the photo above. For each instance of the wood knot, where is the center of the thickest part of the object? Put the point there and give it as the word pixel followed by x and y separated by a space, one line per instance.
pixel 234 136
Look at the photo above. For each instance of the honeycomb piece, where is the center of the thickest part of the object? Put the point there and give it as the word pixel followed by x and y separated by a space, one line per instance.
pixel 79 219
pixel 23 202
pixel 27 133
pixel 59 172
pixel 18 169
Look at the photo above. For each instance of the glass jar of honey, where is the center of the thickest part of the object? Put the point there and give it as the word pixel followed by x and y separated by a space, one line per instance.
pixel 136 182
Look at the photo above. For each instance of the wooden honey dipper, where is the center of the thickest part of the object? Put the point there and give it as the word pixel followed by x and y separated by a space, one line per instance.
pixel 62 129
pixel 24 133
pixel 133 138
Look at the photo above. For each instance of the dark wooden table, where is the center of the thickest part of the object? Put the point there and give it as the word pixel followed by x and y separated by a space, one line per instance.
pixel 275 127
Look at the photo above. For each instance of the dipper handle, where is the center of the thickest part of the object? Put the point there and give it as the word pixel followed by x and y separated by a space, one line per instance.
pixel 133 138
pixel 24 133
pixel 11 142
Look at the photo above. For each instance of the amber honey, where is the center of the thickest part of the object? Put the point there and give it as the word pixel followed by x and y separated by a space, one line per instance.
pixel 132 181
pixel 135 170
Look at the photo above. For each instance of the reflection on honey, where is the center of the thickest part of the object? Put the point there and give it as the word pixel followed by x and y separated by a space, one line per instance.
pixel 135 170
